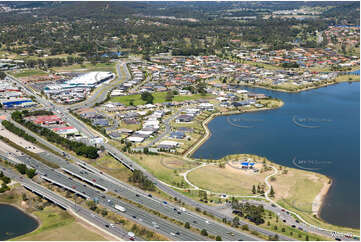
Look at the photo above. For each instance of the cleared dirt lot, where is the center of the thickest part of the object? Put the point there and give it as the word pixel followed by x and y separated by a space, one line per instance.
pixel 19 141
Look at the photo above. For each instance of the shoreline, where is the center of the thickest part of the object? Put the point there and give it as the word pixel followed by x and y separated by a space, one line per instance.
pixel 25 212
pixel 318 201
pixel 296 91
pixel 188 153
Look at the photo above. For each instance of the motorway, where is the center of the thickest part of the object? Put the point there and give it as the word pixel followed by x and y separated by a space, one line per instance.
pixel 131 164
pixel 132 213
pixel 66 204
pixel 92 176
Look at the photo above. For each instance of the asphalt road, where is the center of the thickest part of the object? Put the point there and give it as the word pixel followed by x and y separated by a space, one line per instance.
pixel 126 160
pixel 101 93
pixel 89 174
pixel 68 205
pixel 82 127
pixel 133 213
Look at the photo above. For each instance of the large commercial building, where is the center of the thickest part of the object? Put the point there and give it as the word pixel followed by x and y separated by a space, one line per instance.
pixel 87 80
pixel 77 88
pixel 90 79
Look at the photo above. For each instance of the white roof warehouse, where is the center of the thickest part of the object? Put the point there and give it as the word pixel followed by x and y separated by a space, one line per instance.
pixel 90 79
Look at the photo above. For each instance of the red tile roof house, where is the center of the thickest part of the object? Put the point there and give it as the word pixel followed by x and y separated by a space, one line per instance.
pixel 46 119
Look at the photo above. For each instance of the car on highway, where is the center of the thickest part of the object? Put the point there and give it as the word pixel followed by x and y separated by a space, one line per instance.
pixel 177 233
pixel 171 233
pixel 107 225
pixel 131 236
pixel 207 222
pixel 137 195
pixel 134 216
pixel 164 202
pixel 150 195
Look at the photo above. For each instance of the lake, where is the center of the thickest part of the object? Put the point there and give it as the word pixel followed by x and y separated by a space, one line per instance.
pixel 14 222
pixel 315 130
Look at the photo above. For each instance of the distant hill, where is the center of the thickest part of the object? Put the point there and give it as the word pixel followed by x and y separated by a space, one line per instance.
pixel 348 11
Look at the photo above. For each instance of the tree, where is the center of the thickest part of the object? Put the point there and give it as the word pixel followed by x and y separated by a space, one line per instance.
pixel 30 173
pixel 254 189
pixel 92 205
pixel 21 168
pixel 187 225
pixel 147 97
pixel 169 96
pixel 272 193
pixel 204 232
pixel 2 75
pixel 104 212
pixel 235 221
pixel 218 238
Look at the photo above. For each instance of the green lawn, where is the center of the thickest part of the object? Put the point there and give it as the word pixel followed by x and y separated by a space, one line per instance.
pixel 28 72
pixel 57 224
pixel 159 97
pixel 87 67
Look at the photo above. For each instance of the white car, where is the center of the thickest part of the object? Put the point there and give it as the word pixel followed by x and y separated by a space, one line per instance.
pixel 171 233
pixel 207 222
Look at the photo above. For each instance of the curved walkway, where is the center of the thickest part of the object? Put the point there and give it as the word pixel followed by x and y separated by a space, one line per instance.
pixel 210 192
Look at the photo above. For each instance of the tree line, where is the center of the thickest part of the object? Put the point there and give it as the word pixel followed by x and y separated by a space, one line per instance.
pixel 5 181
pixel 78 147
pixel 251 212
pixel 140 179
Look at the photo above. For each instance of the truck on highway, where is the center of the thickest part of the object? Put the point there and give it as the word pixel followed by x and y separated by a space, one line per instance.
pixel 120 208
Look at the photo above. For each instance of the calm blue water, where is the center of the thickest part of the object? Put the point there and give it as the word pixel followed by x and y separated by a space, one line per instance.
pixel 285 136
pixel 13 222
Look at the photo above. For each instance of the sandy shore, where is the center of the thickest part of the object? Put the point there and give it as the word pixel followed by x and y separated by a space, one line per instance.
pixel 318 201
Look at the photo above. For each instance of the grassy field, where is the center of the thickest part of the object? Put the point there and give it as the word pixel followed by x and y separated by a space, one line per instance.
pixel 290 187
pixel 87 67
pixel 159 97
pixel 28 72
pixel 165 168
pixel 265 66
pixel 56 225
pixel 276 225
pixel 346 78
pixel 228 180
pixel 112 167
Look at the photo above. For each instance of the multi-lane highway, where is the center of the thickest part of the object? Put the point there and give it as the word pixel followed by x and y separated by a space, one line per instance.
pixel 64 203
pixel 98 179
pixel 133 213
pixel 129 163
